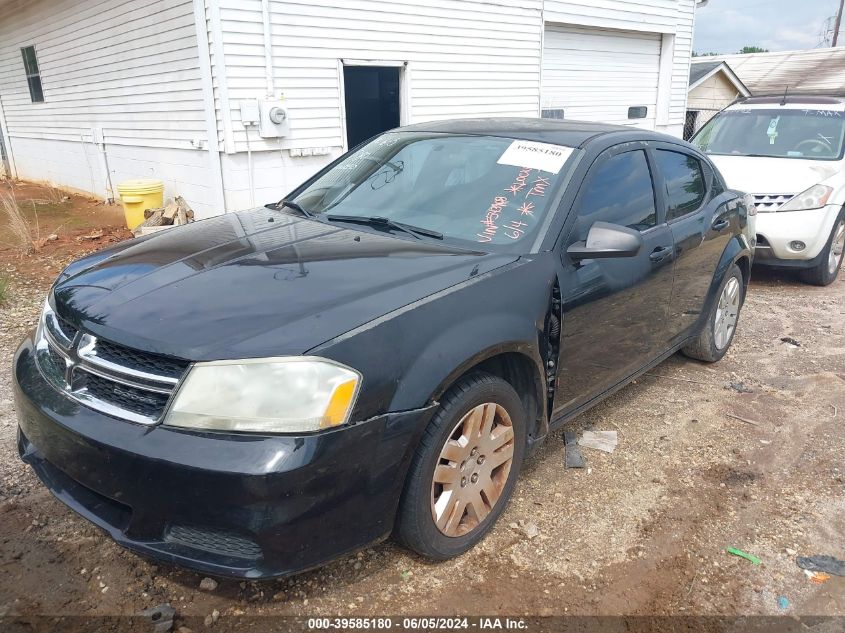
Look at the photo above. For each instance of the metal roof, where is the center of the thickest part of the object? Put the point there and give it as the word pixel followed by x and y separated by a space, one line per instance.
pixel 816 71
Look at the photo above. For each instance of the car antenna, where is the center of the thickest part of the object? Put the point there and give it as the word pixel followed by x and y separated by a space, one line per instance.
pixel 785 92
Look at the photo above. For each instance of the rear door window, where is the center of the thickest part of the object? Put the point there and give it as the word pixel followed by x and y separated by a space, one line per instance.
pixel 684 178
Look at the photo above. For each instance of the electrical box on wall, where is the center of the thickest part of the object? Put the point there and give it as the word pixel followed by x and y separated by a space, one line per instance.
pixel 274 121
pixel 250 113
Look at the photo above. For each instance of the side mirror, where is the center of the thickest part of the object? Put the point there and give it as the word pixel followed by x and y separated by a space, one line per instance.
pixel 606 240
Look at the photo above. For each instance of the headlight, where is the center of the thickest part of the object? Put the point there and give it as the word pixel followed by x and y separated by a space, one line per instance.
pixel 814 198
pixel 265 395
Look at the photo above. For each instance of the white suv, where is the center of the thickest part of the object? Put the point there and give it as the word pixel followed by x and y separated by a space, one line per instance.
pixel 788 154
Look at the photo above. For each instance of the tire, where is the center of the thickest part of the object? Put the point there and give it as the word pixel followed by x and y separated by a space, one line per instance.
pixel 713 342
pixel 478 475
pixel 825 272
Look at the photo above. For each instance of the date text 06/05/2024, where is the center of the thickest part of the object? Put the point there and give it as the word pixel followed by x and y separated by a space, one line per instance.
pixel 417 623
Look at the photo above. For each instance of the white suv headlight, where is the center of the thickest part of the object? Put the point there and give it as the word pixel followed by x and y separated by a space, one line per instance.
pixel 814 198
pixel 265 395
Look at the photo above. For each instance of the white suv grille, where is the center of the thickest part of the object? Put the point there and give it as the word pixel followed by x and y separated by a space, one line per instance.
pixel 770 201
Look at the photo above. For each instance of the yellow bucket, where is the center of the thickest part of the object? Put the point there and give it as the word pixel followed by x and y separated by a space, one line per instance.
pixel 138 196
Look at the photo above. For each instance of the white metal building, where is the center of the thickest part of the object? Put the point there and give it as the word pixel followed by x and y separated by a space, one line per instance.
pixel 93 92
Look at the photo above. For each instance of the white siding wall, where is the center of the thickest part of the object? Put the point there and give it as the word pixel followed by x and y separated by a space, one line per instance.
pixel 132 69
pixel 129 69
pixel 465 58
pixel 671 19
pixel 685 19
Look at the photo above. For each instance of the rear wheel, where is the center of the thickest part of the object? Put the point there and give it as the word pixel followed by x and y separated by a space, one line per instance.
pixel 718 330
pixel 464 469
pixel 825 272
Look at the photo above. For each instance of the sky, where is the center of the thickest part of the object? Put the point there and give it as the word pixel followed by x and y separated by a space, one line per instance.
pixel 725 26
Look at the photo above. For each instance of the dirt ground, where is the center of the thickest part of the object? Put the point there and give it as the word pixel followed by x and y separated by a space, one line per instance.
pixel 641 531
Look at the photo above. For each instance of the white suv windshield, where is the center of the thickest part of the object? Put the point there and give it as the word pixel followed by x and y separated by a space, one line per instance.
pixel 812 133
pixel 485 191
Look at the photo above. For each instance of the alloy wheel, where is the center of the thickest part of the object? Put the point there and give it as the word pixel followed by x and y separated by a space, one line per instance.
pixel 727 313
pixel 472 469
pixel 836 249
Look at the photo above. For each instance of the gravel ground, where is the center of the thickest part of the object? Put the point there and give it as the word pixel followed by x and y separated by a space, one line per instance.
pixel 641 531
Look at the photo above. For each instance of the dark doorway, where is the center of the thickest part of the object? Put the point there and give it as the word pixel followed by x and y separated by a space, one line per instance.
pixel 372 101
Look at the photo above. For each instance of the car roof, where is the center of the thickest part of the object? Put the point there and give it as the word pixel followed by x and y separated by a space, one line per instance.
pixel 802 98
pixel 567 133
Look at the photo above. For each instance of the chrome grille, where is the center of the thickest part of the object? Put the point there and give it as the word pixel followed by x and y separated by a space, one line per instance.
pixel 771 201
pixel 115 380
pixel 66 328
pixel 141 402
pixel 140 361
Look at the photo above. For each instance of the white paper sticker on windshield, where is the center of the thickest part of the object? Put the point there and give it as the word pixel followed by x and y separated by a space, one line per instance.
pixel 543 156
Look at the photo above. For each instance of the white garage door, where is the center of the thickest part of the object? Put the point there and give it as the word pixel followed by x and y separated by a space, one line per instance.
pixel 597 75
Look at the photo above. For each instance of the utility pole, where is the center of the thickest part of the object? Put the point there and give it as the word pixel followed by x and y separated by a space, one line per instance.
pixel 838 22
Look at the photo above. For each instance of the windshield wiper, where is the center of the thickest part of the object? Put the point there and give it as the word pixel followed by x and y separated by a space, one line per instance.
pixel 292 205
pixel 416 231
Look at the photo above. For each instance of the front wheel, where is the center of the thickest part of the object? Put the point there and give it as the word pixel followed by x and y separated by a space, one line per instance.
pixel 718 331
pixel 825 272
pixel 464 469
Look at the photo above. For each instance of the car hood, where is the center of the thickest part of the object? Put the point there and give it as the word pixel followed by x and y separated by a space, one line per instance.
pixel 761 175
pixel 252 284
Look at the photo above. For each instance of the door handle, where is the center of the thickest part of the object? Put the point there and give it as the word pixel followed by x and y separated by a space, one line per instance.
pixel 659 253
pixel 720 224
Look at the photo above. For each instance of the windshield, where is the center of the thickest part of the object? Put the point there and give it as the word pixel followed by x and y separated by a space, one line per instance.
pixel 481 190
pixel 784 133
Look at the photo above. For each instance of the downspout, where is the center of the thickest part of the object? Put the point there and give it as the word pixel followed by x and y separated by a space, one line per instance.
pixel 7 137
pixel 209 111
pixel 268 47
pixel 542 57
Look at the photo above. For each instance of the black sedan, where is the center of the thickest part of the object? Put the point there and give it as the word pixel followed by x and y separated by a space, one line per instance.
pixel 258 393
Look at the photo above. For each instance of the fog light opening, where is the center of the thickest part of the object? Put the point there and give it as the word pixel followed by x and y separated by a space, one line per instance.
pixel 797 245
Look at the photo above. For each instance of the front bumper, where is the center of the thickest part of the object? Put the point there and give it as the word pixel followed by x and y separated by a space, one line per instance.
pixel 776 230
pixel 234 505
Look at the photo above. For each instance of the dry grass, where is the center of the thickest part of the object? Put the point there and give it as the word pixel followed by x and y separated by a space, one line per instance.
pixel 4 288
pixel 23 237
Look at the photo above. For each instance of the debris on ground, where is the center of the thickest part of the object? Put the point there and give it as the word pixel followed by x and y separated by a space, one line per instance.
pixel 783 602
pixel 741 419
pixel 212 619
pixel 160 616
pixel 572 453
pixel 741 554
pixel 175 213
pixel 824 563
pixel 602 440
pixel 816 577
pixel 208 584
pixel 790 341
pixel 93 235
pixel 740 387
pixel 529 530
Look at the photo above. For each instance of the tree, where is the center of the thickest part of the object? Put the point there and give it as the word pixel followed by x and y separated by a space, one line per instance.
pixel 697 54
pixel 752 49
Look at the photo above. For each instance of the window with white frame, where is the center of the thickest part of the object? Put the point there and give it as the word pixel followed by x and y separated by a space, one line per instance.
pixel 33 75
